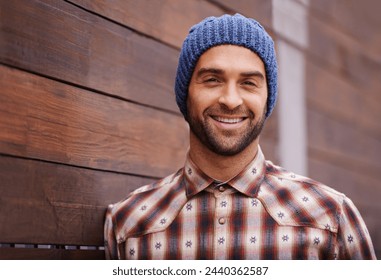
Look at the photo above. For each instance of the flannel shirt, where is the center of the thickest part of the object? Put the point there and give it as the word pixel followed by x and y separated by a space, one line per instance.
pixel 265 212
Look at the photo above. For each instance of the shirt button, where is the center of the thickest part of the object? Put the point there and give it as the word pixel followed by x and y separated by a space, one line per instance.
pixel 221 188
pixel 221 221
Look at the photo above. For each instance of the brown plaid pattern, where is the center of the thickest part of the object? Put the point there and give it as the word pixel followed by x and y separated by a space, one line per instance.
pixel 264 212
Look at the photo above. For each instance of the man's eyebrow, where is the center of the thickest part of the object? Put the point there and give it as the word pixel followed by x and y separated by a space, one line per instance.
pixel 253 74
pixel 218 71
pixel 209 71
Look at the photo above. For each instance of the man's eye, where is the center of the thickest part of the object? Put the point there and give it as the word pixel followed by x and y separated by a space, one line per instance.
pixel 212 80
pixel 249 83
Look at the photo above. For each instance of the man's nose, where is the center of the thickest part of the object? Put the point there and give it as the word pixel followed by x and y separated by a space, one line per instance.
pixel 230 97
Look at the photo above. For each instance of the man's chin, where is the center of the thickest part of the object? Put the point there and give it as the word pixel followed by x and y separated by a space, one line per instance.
pixel 226 148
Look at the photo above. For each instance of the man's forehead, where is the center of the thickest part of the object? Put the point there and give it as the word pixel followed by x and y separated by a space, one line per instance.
pixel 224 58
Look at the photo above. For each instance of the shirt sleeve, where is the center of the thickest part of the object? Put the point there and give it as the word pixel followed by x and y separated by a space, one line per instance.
pixel 353 236
pixel 110 242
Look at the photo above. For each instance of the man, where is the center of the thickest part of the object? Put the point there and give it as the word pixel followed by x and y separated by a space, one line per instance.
pixel 227 202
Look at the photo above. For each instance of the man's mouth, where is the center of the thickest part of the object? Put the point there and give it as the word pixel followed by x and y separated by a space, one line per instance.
pixel 228 120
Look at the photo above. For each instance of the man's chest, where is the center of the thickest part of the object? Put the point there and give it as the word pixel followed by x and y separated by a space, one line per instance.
pixel 230 227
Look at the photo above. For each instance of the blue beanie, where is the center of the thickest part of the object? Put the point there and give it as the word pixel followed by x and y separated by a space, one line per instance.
pixel 227 29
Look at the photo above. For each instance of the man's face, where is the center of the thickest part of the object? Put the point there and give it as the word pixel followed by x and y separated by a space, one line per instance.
pixel 227 99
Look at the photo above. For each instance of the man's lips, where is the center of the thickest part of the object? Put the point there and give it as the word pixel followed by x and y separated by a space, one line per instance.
pixel 228 120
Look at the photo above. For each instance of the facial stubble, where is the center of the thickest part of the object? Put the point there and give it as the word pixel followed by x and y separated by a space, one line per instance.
pixel 223 143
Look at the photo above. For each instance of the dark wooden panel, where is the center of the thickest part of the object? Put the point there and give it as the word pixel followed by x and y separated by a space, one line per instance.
pixel 44 203
pixel 360 19
pixel 45 119
pixel 269 139
pixel 363 189
pixel 271 129
pixel 261 10
pixel 166 20
pixel 50 254
pixel 345 55
pixel 351 148
pixel 270 149
pixel 57 39
pixel 337 97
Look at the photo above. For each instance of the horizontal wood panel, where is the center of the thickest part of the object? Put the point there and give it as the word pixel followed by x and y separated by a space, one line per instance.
pixel 60 40
pixel 339 98
pixel 261 10
pixel 270 149
pixel 167 20
pixel 360 19
pixel 45 203
pixel 271 129
pixel 364 190
pixel 351 148
pixel 345 55
pixel 50 254
pixel 45 119
pixel 269 139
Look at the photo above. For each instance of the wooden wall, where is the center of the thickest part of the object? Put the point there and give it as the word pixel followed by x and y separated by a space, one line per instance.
pixel 87 114
pixel 344 102
pixel 87 110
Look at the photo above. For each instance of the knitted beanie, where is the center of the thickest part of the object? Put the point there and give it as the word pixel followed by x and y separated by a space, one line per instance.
pixel 232 30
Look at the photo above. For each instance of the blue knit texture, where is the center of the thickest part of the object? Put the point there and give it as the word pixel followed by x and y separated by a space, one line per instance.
pixel 227 29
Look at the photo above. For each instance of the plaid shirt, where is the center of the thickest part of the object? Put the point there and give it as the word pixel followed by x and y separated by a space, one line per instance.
pixel 264 212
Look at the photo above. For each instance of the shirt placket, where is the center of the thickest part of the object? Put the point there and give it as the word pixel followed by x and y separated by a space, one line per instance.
pixel 221 222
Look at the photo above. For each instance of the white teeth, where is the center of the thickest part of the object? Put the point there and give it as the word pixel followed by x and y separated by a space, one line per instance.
pixel 227 120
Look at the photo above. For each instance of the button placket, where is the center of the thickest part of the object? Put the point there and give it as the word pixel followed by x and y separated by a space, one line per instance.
pixel 222 209
pixel 221 221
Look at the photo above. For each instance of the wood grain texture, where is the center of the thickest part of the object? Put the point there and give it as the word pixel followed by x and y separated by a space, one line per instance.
pixel 269 138
pixel 345 55
pixel 364 190
pixel 360 19
pixel 50 254
pixel 45 203
pixel 343 100
pixel 44 119
pixel 57 39
pixel 87 113
pixel 260 10
pixel 167 20
pixel 338 98
pixel 350 148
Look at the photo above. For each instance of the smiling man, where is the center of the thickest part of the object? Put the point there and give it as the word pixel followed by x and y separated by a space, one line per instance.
pixel 228 202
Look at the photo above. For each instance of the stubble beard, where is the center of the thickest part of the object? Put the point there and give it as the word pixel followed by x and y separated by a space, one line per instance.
pixel 225 142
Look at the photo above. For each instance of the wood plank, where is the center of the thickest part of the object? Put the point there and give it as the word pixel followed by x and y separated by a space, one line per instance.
pixel 363 189
pixel 45 119
pixel 260 10
pixel 57 39
pixel 271 130
pixel 45 203
pixel 270 149
pixel 337 97
pixel 269 138
pixel 167 20
pixel 345 55
pixel 360 19
pixel 50 254
pixel 350 147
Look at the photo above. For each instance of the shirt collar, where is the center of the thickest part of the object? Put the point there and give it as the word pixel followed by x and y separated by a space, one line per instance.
pixel 247 181
pixel 195 180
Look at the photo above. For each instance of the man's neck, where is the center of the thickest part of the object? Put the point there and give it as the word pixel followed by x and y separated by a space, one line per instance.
pixel 219 167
